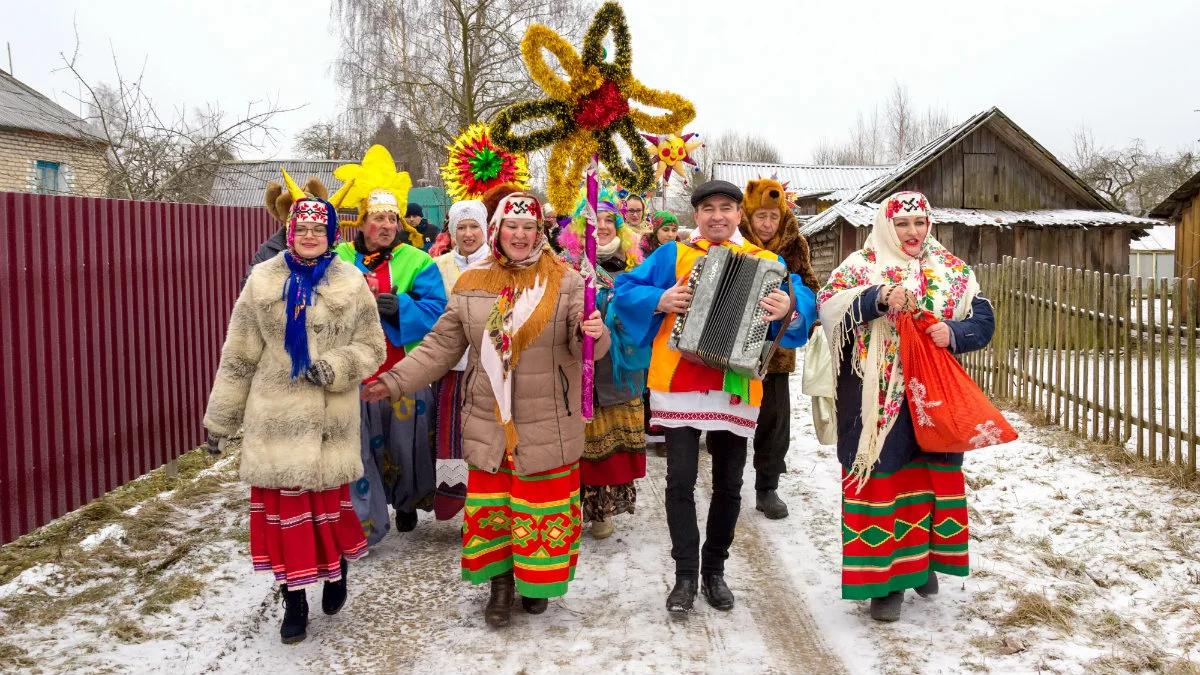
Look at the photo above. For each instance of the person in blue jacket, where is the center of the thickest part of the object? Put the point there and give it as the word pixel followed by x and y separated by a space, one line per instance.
pixel 687 398
pixel 904 512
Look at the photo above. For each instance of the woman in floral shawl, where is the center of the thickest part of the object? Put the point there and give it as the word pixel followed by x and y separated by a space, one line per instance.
pixel 904 511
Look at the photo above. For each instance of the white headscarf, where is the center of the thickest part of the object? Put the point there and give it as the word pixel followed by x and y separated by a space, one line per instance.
pixel 943 285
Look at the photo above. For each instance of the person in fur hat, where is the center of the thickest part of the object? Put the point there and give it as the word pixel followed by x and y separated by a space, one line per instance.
pixel 304 332
pixel 768 222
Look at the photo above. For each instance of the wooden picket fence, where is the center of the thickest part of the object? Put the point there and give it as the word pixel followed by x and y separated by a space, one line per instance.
pixel 1109 357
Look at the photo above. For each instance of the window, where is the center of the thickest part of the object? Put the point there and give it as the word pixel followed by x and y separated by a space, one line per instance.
pixel 49 178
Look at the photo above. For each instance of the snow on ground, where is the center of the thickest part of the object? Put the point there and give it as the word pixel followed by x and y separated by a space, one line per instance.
pixel 1078 566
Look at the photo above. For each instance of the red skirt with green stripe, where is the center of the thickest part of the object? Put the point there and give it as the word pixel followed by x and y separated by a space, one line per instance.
pixel 902 526
pixel 527 524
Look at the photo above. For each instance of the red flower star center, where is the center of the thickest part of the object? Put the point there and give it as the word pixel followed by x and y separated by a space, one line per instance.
pixel 602 107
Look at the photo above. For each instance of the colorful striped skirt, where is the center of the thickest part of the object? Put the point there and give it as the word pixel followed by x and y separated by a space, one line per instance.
pixel 527 524
pixel 302 535
pixel 450 468
pixel 900 527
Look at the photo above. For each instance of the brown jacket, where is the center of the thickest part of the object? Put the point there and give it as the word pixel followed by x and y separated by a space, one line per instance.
pixel 793 248
pixel 546 383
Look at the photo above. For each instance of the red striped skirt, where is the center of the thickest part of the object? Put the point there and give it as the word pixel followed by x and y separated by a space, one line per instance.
pixel 901 527
pixel 302 535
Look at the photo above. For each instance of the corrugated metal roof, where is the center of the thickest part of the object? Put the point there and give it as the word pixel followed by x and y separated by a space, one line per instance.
pixel 1160 238
pixel 863 215
pixel 244 183
pixel 24 108
pixel 801 178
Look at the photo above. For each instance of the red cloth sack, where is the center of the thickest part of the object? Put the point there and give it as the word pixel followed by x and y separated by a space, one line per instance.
pixel 950 413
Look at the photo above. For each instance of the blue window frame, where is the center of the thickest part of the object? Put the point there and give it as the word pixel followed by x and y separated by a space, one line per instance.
pixel 48 177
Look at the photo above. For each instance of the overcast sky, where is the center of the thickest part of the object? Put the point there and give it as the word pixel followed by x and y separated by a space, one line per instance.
pixel 793 71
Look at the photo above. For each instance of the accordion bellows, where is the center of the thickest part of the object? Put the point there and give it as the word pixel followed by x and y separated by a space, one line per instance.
pixel 724 328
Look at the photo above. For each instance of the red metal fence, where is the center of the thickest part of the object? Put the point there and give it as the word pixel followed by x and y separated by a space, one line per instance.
pixel 112 316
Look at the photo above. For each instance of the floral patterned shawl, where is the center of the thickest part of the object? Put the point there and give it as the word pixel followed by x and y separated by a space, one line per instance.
pixel 943 284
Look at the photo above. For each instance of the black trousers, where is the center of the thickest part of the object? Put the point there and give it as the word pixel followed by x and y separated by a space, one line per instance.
pixel 774 432
pixel 728 452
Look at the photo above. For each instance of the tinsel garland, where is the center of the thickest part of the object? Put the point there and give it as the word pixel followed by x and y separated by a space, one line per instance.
pixel 585 113
pixel 477 164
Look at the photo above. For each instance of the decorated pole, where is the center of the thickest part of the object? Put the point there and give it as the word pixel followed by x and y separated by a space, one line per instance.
pixel 589 283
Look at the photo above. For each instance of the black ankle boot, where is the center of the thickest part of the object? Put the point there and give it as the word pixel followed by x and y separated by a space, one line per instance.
pixel 334 594
pixel 534 605
pixel 887 608
pixel 716 591
pixel 928 588
pixel 680 599
pixel 406 521
pixel 295 616
pixel 498 610
pixel 770 504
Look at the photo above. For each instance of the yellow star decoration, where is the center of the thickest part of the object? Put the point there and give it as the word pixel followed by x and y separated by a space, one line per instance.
pixel 589 109
pixel 377 172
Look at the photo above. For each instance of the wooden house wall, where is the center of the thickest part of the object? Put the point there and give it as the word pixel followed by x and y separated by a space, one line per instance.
pixel 983 172
pixel 1187 240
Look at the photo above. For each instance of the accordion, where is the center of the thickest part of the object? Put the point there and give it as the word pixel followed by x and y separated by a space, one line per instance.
pixel 725 327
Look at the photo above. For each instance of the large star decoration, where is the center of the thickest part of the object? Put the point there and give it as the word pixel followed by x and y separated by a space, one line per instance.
pixel 590 109
pixel 477 164
pixel 671 152
pixel 377 172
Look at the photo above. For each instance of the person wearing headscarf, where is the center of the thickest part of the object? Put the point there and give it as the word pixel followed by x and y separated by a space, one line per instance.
pixel 397 454
pixel 304 332
pixel 904 511
pixel 689 398
pixel 467 228
pixel 615 452
pixel 663 228
pixel 768 222
pixel 518 316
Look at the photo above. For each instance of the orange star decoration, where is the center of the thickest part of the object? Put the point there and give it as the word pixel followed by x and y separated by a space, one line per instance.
pixel 671 152
pixel 590 109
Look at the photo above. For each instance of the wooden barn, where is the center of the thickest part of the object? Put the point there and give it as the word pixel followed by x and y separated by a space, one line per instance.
pixel 1182 209
pixel 995 192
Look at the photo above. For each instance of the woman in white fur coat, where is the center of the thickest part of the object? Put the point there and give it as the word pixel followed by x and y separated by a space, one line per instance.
pixel 304 333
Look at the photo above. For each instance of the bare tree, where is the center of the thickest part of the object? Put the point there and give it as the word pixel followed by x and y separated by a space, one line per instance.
pixel 328 140
pixel 885 139
pixel 438 66
pixel 1132 178
pixel 159 156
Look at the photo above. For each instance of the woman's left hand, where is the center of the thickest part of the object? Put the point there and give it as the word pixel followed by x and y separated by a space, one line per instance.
pixel 593 326
pixel 939 333
pixel 776 305
pixel 376 391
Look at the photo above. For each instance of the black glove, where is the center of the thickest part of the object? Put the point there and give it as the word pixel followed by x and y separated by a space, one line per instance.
pixel 214 445
pixel 320 373
pixel 388 303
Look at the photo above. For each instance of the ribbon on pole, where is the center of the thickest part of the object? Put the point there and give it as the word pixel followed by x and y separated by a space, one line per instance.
pixel 588 271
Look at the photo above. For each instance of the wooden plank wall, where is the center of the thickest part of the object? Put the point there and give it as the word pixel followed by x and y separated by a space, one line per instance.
pixel 1187 247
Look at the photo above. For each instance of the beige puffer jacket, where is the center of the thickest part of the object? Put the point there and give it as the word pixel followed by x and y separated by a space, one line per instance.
pixel 296 434
pixel 546 383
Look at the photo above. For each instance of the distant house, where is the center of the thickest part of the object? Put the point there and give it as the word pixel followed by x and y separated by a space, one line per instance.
pixel 995 191
pixel 1182 209
pixel 44 148
pixel 1153 256
pixel 813 187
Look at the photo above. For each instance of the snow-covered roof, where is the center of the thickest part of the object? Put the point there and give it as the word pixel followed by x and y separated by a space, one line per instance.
pixel 1159 238
pixel 804 179
pixel 863 215
pixel 1169 206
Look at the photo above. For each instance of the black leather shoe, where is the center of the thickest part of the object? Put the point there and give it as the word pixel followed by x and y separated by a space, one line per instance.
pixel 770 504
pixel 295 616
pixel 498 611
pixel 679 600
pixel 406 521
pixel 887 608
pixel 928 588
pixel 716 591
pixel 334 594
pixel 534 605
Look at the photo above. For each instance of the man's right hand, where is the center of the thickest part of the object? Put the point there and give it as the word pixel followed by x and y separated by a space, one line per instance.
pixel 677 299
pixel 388 304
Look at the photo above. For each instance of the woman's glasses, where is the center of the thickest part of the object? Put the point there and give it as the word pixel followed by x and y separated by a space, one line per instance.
pixel 318 231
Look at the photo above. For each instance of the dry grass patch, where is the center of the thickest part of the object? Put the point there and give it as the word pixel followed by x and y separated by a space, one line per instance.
pixel 1035 609
pixel 128 630
pixel 13 658
pixel 170 591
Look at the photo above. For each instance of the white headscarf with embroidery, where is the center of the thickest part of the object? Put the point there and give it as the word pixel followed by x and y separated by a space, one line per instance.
pixel 943 285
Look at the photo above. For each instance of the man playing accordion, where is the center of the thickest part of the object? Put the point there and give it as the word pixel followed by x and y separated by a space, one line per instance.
pixel 687 397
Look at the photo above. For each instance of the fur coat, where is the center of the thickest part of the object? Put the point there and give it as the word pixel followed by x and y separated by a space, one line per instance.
pixel 296 434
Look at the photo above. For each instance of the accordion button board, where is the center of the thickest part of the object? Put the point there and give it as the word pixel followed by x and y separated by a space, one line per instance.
pixel 725 327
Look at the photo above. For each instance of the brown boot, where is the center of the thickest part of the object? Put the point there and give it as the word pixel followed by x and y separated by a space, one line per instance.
pixel 498 611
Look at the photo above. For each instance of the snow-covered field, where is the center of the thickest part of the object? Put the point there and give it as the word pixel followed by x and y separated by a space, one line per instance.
pixel 1079 565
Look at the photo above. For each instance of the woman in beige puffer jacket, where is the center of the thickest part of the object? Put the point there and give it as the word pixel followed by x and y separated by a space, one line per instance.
pixel 518 314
